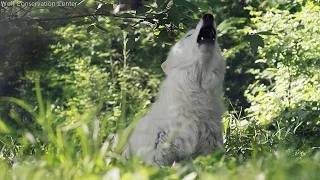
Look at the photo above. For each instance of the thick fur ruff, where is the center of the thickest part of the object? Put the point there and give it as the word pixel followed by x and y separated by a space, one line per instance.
pixel 185 121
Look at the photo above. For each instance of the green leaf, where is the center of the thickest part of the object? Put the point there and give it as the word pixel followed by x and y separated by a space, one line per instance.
pixel 192 6
pixel 296 8
pixel 180 2
pixel 255 41
pixel 101 28
pixel 33 32
pixel 189 22
pixel 266 33
pixel 300 27
pixel 55 9
pixel 28 107
pixel 174 15
pixel 123 26
pixel 150 18
pixel 230 23
pixel 160 16
pixel 163 35
pixel 142 10
pixel 160 2
pixel 165 5
pixel 131 41
pixel 187 4
pixel 31 22
pixel 125 15
pixel 4 128
pixel 90 28
pixel 45 26
pixel 104 8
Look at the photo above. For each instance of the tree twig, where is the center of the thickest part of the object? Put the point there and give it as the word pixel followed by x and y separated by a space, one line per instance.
pixel 71 17
pixel 25 13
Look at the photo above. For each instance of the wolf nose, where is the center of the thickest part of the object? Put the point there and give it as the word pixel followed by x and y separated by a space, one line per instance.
pixel 207 19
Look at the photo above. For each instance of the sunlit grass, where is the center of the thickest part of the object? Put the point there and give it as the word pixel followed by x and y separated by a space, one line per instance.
pixel 60 148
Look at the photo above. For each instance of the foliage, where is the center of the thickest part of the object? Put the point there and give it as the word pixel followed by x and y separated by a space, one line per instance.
pixel 104 76
pixel 286 91
pixel 16 59
pixel 99 72
pixel 78 150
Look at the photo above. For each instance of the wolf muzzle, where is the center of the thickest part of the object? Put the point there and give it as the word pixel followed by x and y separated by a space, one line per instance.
pixel 207 34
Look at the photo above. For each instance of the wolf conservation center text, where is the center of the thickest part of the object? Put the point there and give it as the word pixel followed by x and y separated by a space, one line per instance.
pixel 38 4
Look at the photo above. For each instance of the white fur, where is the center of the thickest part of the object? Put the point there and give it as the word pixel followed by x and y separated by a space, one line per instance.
pixel 185 121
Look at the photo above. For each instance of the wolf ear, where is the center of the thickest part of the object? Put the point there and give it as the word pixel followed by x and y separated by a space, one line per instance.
pixel 164 67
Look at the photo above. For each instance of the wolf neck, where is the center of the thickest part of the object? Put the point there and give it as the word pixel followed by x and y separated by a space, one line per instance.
pixel 201 75
pixel 182 90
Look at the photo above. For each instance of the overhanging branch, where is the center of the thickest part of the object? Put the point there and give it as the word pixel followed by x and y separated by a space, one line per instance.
pixel 71 17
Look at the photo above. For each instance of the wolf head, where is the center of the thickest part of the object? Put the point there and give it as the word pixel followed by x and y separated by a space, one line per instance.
pixel 198 46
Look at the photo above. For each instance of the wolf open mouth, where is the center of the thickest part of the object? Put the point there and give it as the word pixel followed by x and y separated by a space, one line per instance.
pixel 207 35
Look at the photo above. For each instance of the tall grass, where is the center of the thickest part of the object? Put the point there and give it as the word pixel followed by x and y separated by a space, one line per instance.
pixel 58 147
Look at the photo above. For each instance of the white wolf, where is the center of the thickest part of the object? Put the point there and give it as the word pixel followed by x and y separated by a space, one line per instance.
pixel 185 120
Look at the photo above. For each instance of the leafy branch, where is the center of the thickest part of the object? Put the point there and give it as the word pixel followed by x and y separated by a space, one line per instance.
pixel 72 17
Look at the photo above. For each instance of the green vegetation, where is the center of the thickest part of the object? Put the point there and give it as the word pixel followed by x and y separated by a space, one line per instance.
pixel 67 85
